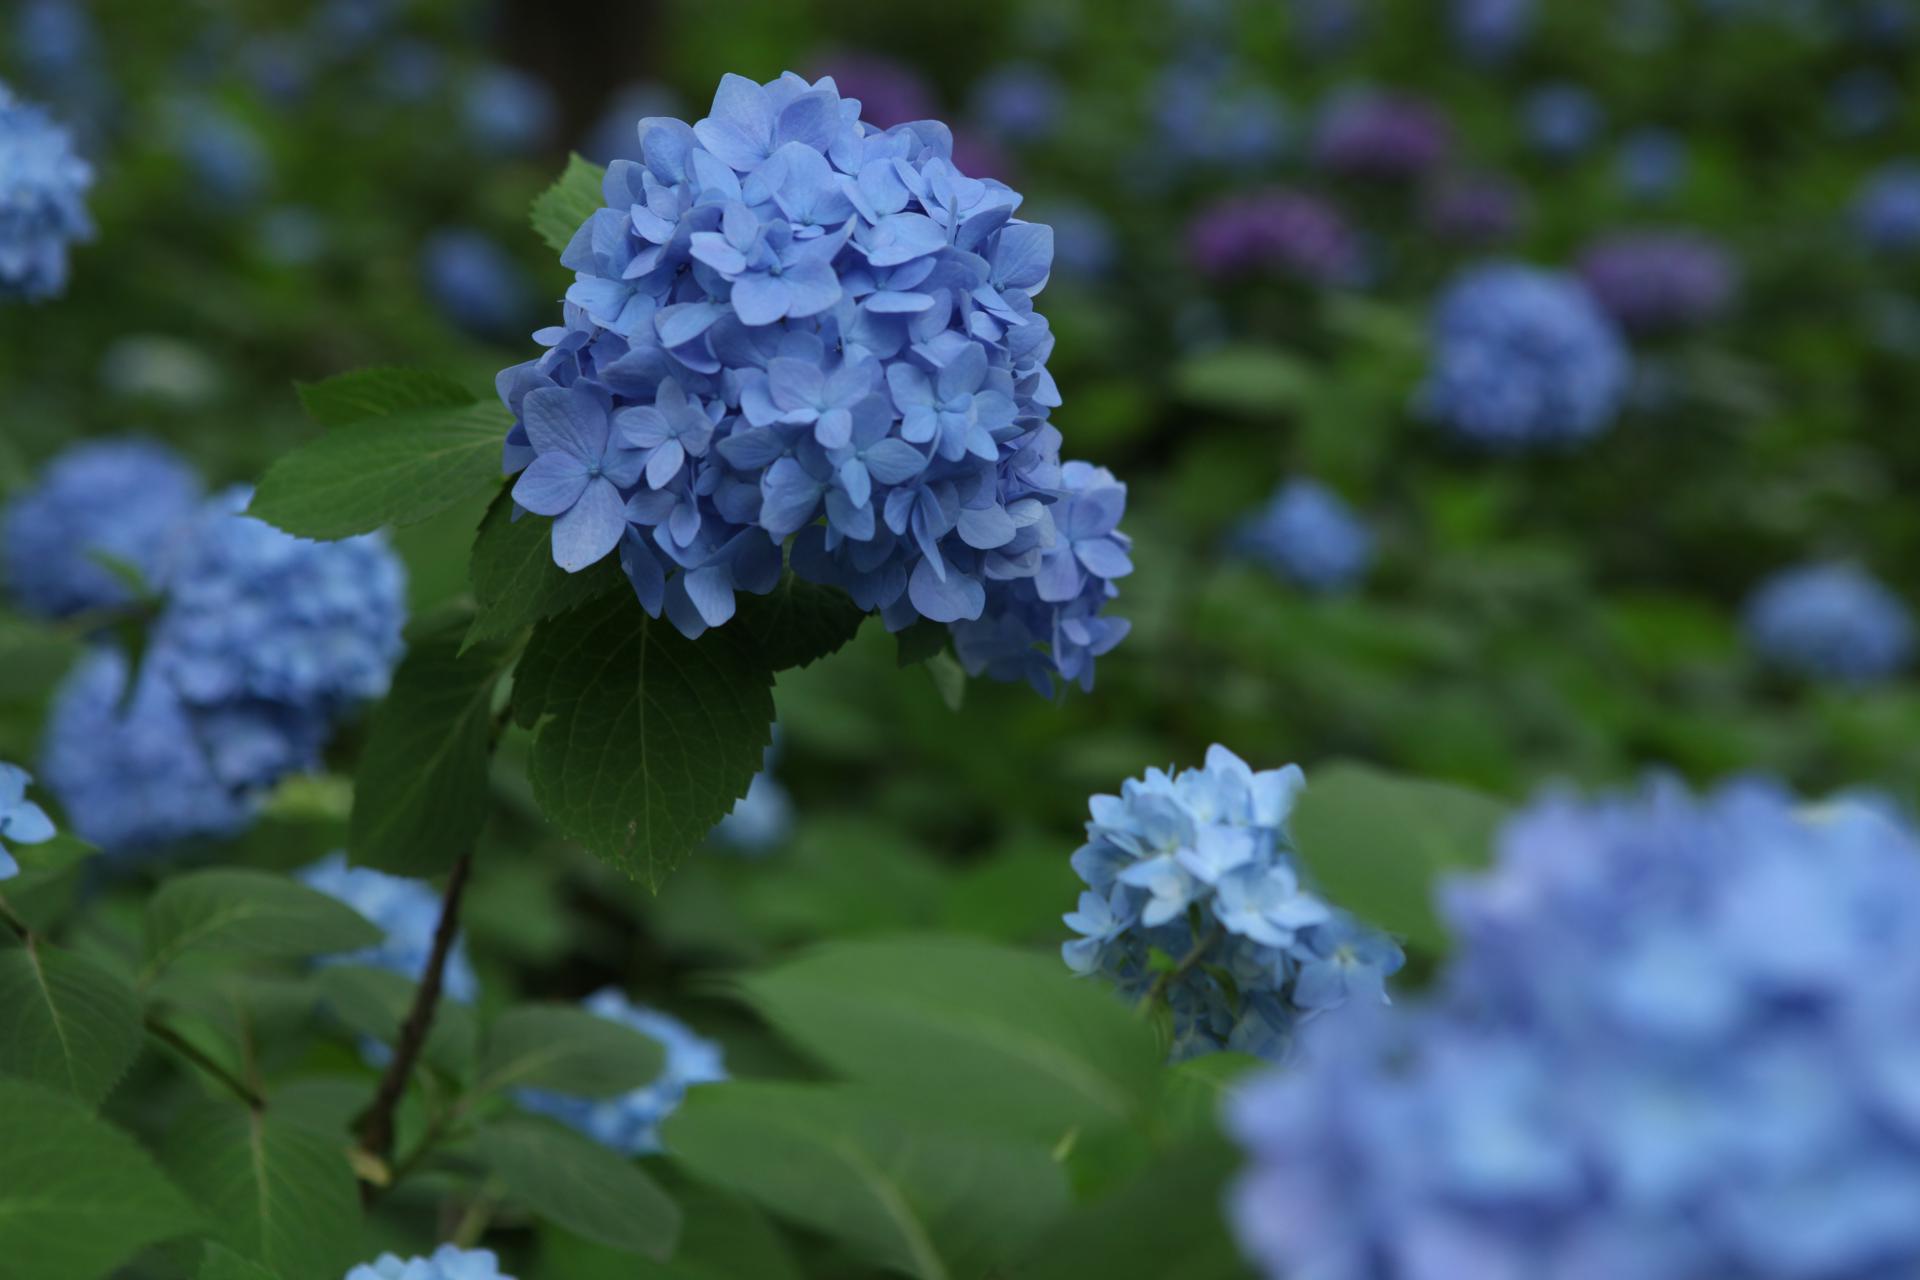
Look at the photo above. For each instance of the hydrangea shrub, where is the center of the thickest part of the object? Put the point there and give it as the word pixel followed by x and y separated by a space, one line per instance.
pixel 43 191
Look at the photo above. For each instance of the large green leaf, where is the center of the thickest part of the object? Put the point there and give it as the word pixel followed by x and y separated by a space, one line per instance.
pixel 420 791
pixel 77 1196
pixel 379 392
pixel 722 1237
pixel 645 738
pixel 65 1021
pixel 217 1262
pixel 374 1002
pixel 255 912
pixel 1375 843
pixel 398 466
pixel 1246 379
pixel 276 1193
pixel 905 1190
pixel 559 210
pixel 798 622
pixel 568 1050
pixel 1001 1036
pixel 1167 1222
pixel 515 581
pixel 582 1186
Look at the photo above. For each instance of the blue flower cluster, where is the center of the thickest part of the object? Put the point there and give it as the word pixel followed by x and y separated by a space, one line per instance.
pixel 630 1123
pixel 21 820
pixel 1523 358
pixel 784 314
pixel 124 499
pixel 1679 1040
pixel 1491 30
pixel 1562 119
pixel 762 820
pixel 43 188
pixel 1196 866
pixel 1308 535
pixel 476 284
pixel 448 1262
pixel 1887 211
pixel 1830 621
pixel 408 911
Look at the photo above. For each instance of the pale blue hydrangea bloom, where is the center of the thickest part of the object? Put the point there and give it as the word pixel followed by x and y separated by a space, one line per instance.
pixel 408 911
pixel 476 284
pixel 1830 621
pixel 448 1262
pixel 508 111
pixel 1562 119
pixel 126 499
pixel 1522 358
pixel 1678 1040
pixel 787 324
pixel 1019 101
pixel 630 1122
pixel 1887 211
pixel 1198 866
pixel 1308 535
pixel 760 821
pixel 43 188
pixel 21 820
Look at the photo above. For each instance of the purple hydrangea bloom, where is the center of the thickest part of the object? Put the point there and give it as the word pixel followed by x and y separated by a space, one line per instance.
pixel 1887 211
pixel 1522 358
pixel 448 1262
pixel 129 500
pixel 408 911
pixel 21 820
pixel 630 1122
pixel 43 189
pixel 1830 621
pixel 1562 120
pixel 1308 535
pixel 790 327
pixel 1277 231
pixel 1373 134
pixel 1652 282
pixel 1476 211
pixel 1198 866
pixel 1677 1040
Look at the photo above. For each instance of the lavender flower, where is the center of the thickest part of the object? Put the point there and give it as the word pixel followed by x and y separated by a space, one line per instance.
pixel 1384 136
pixel 1276 231
pixel 1654 282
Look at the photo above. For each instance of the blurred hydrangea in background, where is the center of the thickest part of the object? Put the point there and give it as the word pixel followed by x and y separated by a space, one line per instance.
pixel 630 1122
pixel 1309 536
pixel 1197 868
pixel 22 822
pixel 1562 120
pixel 1830 621
pixel 1292 234
pixel 1375 134
pixel 476 284
pixel 1659 282
pixel 43 189
pixel 1887 212
pixel 448 1262
pixel 408 911
pixel 1653 1054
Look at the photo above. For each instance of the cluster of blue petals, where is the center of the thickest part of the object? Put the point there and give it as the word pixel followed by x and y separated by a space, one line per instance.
pixel 1197 867
pixel 125 500
pixel 43 189
pixel 762 820
pixel 408 911
pixel 630 1122
pixel 1830 621
pixel 21 820
pixel 1887 211
pixel 788 326
pixel 1680 1039
pixel 1523 358
pixel 448 1262
pixel 1308 535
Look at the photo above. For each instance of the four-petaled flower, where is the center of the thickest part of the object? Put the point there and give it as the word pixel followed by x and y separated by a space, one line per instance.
pixel 21 820
pixel 578 474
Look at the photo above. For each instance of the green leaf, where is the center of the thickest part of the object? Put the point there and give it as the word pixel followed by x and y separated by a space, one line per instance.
pixel 77 1196
pixel 582 1186
pixel 1165 1223
pixel 218 1262
pixel 65 1021
pixel 361 394
pixel 949 679
pixel 568 1050
pixel 515 581
pixel 1003 1037
pixel 374 1002
pixel 645 738
pixel 722 1237
pixel 917 643
pixel 49 858
pixel 560 209
pixel 396 469
pixel 1252 380
pixel 906 1192
pixel 255 912
pixel 276 1193
pixel 420 790
pixel 799 622
pixel 1375 843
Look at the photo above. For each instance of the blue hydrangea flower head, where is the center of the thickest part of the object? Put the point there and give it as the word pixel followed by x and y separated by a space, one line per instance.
pixel 1830 621
pixel 1198 866
pixel 1490 30
pixel 1651 163
pixel 407 910
pixel 225 155
pixel 630 1122
pixel 1308 535
pixel 762 820
pixel 1887 211
pixel 507 111
pixel 1019 101
pixel 139 775
pixel 448 1262
pixel 1654 1053
pixel 126 499
pixel 1206 114
pixel 796 337
pixel 43 189
pixel 476 284
pixel 21 820
pixel 1562 119
pixel 1522 358
pixel 1657 282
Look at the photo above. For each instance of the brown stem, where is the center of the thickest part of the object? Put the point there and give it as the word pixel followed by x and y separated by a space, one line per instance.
pixel 192 1053
pixel 375 1125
